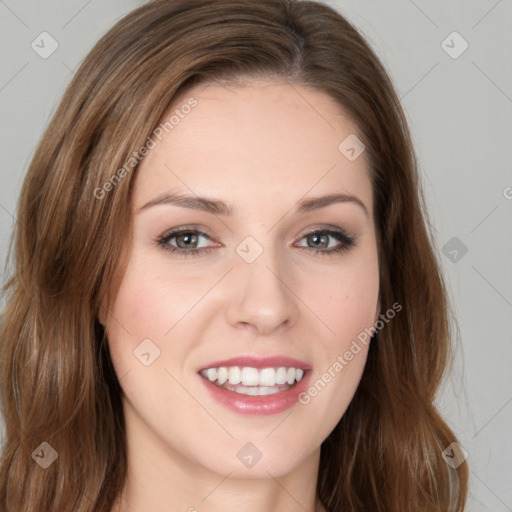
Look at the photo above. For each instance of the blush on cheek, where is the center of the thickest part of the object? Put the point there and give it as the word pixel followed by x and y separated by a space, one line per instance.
pixel 137 304
pixel 351 312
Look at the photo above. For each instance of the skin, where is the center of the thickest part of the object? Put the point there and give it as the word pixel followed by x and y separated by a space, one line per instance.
pixel 260 147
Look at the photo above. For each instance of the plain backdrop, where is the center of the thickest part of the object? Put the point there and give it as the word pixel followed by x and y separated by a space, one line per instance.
pixel 451 64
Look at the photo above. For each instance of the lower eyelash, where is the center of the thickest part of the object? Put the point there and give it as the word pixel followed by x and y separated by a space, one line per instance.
pixel 185 253
pixel 346 244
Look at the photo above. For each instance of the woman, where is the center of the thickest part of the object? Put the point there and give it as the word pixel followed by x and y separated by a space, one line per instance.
pixel 225 294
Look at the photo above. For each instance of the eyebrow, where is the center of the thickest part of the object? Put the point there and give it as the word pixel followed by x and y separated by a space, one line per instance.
pixel 218 207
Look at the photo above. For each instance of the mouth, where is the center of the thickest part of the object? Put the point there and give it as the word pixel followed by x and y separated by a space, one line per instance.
pixel 252 381
pixel 252 385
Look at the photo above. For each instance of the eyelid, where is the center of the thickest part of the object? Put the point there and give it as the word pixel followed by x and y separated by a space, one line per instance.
pixel 199 230
pixel 323 228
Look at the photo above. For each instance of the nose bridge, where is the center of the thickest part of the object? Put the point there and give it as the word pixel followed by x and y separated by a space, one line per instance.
pixel 262 298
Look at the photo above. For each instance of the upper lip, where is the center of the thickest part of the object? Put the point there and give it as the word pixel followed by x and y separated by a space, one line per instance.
pixel 259 362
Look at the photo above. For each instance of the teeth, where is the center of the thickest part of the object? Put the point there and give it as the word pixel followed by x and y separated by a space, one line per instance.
pixel 250 376
pixel 235 375
pixel 254 390
pixel 222 375
pixel 281 375
pixel 260 382
pixel 267 377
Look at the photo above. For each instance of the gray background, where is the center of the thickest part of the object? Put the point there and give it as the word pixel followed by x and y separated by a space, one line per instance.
pixel 459 111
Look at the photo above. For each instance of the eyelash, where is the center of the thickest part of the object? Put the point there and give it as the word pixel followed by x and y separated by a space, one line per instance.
pixel 347 242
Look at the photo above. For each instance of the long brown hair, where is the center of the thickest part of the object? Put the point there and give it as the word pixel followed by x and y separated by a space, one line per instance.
pixel 71 240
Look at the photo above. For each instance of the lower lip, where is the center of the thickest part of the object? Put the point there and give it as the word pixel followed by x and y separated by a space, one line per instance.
pixel 261 405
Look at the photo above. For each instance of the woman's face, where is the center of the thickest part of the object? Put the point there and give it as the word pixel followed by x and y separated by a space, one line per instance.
pixel 262 282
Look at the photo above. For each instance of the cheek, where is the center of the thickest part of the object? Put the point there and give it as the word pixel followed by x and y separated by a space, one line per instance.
pixel 138 314
pixel 151 302
pixel 345 300
pixel 146 309
pixel 352 306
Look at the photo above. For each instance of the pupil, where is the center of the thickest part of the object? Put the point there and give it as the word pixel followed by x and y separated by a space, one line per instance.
pixel 187 238
pixel 319 240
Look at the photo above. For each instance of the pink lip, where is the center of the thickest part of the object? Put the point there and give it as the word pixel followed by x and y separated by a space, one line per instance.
pixel 265 404
pixel 259 362
pixel 258 405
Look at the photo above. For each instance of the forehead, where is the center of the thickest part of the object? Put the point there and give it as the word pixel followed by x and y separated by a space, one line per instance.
pixel 260 142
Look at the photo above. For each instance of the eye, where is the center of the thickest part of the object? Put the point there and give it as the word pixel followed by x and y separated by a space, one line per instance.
pixel 328 241
pixel 189 242
pixel 185 241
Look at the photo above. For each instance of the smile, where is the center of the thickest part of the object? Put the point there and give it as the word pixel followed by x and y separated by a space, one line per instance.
pixel 253 381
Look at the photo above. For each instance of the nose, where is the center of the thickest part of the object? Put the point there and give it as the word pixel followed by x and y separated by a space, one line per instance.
pixel 261 296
